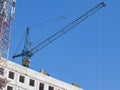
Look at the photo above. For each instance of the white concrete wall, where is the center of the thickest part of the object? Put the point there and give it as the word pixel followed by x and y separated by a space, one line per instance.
pixel 31 74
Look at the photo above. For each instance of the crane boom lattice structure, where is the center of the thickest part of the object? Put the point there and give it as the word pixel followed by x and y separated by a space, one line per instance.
pixel 7 10
pixel 66 28
pixel 29 52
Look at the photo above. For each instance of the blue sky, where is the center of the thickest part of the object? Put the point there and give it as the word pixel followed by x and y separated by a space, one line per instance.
pixel 88 55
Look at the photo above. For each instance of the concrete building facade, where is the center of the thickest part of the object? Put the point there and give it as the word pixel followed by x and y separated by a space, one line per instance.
pixel 16 77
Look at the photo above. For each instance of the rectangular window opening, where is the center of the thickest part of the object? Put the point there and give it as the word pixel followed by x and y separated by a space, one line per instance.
pixel 32 82
pixel 21 79
pixel 51 88
pixel 41 86
pixel 11 75
pixel 1 71
pixel 9 88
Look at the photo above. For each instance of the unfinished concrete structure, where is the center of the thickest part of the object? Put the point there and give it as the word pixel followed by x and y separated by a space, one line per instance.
pixel 16 77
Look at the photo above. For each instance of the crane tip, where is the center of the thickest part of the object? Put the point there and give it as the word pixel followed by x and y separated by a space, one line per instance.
pixel 103 3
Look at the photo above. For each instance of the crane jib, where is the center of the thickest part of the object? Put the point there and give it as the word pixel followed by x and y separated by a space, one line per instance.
pixel 66 28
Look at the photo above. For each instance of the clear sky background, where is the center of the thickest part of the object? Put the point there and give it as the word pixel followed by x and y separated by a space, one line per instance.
pixel 88 55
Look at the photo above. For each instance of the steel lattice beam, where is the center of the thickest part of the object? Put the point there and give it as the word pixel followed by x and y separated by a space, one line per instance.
pixel 7 10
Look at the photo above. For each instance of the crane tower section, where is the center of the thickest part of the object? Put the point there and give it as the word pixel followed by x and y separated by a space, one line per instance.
pixel 7 10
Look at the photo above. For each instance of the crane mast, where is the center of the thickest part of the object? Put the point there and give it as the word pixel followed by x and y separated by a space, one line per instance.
pixel 29 53
pixel 7 10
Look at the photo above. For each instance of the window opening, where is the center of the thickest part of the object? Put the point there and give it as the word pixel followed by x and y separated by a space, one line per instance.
pixel 11 75
pixel 32 82
pixel 21 79
pixel 41 86
pixel 1 71
pixel 51 88
pixel 9 88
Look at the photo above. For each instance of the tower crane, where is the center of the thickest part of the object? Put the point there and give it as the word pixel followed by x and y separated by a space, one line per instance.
pixel 28 52
pixel 7 10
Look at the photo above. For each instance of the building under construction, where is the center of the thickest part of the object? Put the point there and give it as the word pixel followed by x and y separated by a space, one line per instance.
pixel 19 77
